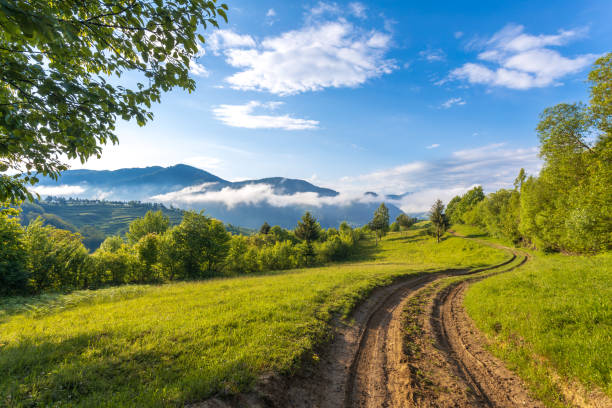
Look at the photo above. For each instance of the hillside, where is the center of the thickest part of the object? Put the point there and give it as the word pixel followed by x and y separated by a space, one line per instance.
pixel 249 203
pixel 98 219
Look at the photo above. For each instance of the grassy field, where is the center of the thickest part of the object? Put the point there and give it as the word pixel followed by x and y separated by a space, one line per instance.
pixel 553 313
pixel 167 345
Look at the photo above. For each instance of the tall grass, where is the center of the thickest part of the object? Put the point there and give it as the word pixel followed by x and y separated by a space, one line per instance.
pixel 168 345
pixel 553 313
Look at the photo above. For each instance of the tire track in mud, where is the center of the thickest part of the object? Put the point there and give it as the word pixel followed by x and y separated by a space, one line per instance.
pixel 462 346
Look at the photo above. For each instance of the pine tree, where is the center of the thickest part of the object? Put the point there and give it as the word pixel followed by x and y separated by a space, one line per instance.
pixel 265 228
pixel 308 229
pixel 438 219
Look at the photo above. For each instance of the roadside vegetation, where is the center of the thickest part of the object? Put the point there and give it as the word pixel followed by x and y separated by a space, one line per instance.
pixel 551 317
pixel 42 258
pixel 567 207
pixel 166 345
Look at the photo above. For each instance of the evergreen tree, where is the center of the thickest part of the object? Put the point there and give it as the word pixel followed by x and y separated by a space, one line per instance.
pixel 308 230
pixel 438 219
pixel 265 228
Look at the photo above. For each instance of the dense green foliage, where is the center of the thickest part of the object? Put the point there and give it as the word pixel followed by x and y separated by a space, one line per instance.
pixel 43 258
pixel 404 222
pixel 568 207
pixel 154 222
pixel 540 317
pixel 60 69
pixel 167 345
pixel 13 275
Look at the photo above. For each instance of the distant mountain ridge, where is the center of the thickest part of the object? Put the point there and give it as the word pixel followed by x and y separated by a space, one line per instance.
pixel 175 178
pixel 248 203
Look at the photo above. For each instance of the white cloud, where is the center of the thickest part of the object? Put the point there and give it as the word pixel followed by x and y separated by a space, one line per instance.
pixel 331 54
pixel 243 116
pixel 358 9
pixel 61 190
pixel 518 60
pixel 222 39
pixel 452 102
pixel 433 146
pixel 253 194
pixel 433 55
pixel 197 69
pixel 324 8
pixel 271 17
pixel 458 34
pixel 492 166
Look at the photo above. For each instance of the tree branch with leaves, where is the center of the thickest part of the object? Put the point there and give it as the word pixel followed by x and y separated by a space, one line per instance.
pixel 61 65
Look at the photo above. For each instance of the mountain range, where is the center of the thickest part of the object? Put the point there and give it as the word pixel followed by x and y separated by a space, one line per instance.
pixel 249 203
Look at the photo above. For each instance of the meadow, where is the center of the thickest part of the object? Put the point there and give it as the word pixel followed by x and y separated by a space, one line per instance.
pixel 167 345
pixel 551 317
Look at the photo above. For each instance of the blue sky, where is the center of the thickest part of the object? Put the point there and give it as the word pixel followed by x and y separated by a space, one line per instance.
pixel 389 96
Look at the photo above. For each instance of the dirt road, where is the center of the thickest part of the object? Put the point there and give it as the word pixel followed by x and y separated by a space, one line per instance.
pixel 443 363
pixel 410 344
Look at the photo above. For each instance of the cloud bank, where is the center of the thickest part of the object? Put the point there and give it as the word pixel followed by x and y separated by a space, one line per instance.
pixel 256 194
pixel 61 190
pixel 514 59
pixel 244 116
pixel 492 166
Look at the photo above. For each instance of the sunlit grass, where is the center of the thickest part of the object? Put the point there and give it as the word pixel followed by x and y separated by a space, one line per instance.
pixel 555 312
pixel 181 342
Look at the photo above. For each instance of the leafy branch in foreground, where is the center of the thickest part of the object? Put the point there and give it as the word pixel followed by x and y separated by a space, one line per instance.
pixel 60 65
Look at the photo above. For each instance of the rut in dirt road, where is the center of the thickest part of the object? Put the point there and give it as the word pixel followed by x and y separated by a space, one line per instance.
pixel 452 368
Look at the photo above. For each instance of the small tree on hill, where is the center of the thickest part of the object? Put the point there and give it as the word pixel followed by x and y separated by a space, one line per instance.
pixel 405 221
pixel 265 228
pixel 380 222
pixel 308 230
pixel 438 219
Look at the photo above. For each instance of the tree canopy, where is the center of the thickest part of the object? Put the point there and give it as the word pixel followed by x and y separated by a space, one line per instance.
pixel 154 222
pixel 61 69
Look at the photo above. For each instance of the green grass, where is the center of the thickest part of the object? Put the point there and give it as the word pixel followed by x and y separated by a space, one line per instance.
pixel 554 313
pixel 176 343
